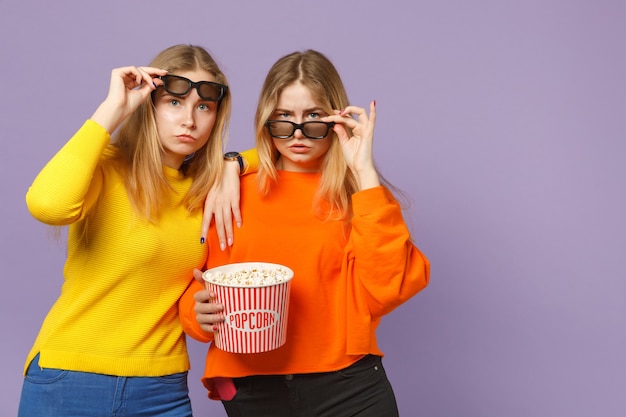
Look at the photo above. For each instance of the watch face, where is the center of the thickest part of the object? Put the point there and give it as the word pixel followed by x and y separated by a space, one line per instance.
pixel 231 155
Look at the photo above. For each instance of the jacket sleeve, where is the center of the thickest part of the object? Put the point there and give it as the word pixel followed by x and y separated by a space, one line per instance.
pixel 187 314
pixel 385 267
pixel 69 185
pixel 251 156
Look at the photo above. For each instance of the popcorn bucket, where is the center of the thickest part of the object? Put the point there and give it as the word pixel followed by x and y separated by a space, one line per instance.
pixel 255 296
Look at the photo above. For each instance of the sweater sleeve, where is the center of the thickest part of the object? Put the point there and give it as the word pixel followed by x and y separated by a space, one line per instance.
pixel 67 187
pixel 386 267
pixel 251 157
pixel 187 314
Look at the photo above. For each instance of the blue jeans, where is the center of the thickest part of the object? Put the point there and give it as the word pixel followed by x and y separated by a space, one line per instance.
pixel 58 393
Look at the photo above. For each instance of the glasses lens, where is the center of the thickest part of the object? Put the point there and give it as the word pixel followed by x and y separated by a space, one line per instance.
pixel 180 86
pixel 315 129
pixel 212 92
pixel 176 85
pixel 281 129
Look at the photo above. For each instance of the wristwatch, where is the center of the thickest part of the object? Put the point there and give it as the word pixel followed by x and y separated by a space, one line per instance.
pixel 234 156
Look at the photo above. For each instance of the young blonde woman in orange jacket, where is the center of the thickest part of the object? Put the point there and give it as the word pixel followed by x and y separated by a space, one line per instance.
pixel 318 206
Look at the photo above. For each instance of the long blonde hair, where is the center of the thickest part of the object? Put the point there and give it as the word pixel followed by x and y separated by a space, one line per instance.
pixel 316 72
pixel 137 151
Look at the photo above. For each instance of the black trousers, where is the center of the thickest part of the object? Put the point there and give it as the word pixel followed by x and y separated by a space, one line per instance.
pixel 360 390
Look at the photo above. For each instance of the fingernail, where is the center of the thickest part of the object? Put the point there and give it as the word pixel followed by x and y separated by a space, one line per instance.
pixel 230 241
pixel 342 111
pixel 214 328
pixel 374 103
pixel 222 246
pixel 239 224
pixel 202 241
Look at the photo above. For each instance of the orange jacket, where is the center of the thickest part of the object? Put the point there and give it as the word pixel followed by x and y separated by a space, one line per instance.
pixel 343 282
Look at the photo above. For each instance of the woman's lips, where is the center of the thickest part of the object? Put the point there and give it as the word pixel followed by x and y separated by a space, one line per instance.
pixel 186 138
pixel 299 148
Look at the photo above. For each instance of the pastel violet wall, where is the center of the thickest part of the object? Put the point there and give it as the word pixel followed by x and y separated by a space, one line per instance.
pixel 504 121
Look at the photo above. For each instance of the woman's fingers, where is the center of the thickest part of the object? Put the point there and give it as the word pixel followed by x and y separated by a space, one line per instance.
pixel 134 77
pixel 150 76
pixel 345 117
pixel 208 313
pixel 197 274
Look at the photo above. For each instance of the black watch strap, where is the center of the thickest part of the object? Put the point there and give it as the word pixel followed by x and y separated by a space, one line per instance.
pixel 235 156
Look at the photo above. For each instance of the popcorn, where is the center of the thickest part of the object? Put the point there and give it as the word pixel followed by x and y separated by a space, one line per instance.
pixel 253 277
pixel 255 296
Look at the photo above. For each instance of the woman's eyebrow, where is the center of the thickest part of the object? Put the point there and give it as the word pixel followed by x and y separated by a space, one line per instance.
pixel 309 110
pixel 304 111
pixel 282 111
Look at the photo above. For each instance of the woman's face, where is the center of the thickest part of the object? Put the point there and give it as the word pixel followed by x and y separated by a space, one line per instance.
pixel 299 153
pixel 184 123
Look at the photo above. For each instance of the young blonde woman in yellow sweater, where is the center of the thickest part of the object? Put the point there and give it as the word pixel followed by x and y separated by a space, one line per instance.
pixel 134 208
pixel 317 206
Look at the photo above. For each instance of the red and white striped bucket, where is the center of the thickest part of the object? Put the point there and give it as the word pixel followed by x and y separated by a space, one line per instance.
pixel 255 314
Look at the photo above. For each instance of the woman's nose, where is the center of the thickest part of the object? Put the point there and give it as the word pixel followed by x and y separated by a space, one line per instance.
pixel 298 133
pixel 189 120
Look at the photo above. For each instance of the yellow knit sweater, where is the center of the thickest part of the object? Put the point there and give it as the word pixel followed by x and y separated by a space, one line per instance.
pixel 117 312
